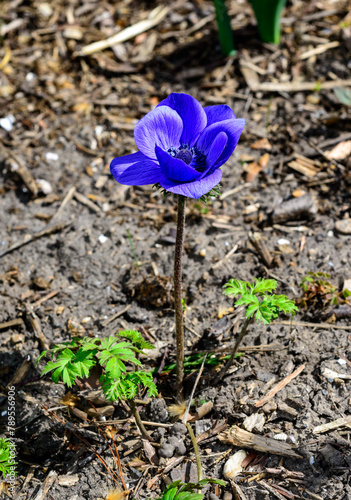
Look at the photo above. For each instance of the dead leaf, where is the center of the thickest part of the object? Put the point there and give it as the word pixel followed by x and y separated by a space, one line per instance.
pixel 340 151
pixel 252 171
pixel 261 144
pixel 264 160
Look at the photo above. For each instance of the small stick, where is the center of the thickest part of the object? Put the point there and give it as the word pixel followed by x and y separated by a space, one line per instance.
pixel 261 248
pixel 35 322
pixel 115 316
pixel 12 322
pixel 339 422
pixel 65 201
pixel 138 421
pixel 44 299
pixel 155 17
pixel 234 351
pixel 85 201
pixel 278 387
pixel 326 326
pixel 18 167
pixel 188 425
pixel 36 236
pixel 244 439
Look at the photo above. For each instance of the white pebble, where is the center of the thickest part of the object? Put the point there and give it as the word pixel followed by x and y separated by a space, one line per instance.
pixel 232 466
pixel 281 437
pixel 341 361
pixel 7 122
pixel 52 156
pixel 283 241
pixel 44 186
pixel 102 239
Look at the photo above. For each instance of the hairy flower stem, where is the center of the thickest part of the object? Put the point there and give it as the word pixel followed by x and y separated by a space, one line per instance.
pixel 197 451
pixel 178 295
pixel 138 421
pixel 234 351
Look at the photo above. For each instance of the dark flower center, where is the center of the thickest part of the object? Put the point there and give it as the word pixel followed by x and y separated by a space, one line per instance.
pixel 189 155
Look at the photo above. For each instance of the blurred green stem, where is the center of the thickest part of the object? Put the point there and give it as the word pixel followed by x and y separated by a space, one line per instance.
pixel 268 14
pixel 225 33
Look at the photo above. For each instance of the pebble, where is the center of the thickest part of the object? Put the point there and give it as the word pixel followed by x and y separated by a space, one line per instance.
pixel 343 226
pixel 52 156
pixel 166 450
pixel 7 122
pixel 178 429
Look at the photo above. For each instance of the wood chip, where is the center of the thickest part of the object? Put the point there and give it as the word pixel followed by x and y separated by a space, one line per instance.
pixel 244 439
pixel 301 86
pixel 278 387
pixel 335 424
pixel 319 50
pixel 155 17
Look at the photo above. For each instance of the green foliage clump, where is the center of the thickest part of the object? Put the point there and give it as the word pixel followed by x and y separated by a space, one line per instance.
pixel 259 299
pixel 5 462
pixel 188 491
pixel 75 359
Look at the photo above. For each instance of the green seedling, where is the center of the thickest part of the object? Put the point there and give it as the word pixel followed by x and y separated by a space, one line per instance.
pixel 259 303
pixel 317 289
pixel 267 12
pixel 76 359
pixel 5 460
pixel 189 491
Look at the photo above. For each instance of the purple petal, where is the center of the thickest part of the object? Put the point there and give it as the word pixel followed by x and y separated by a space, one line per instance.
pixel 160 127
pixel 194 189
pixel 215 148
pixel 175 169
pixel 192 114
pixel 232 128
pixel 136 170
pixel 218 113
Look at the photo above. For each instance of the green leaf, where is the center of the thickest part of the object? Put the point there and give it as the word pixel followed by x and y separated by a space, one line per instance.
pixel 261 286
pixel 268 14
pixel 247 300
pixel 63 368
pixel 236 287
pixel 136 338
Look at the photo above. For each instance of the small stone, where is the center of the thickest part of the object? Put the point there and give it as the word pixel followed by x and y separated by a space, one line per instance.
pixel 178 429
pixel 166 450
pixel 343 226
pixel 227 496
pixel 332 456
pixel 187 473
pixel 180 450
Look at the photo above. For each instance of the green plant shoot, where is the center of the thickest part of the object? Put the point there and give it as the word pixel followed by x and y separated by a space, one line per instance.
pixel 187 491
pixel 5 465
pixel 259 300
pixel 75 359
pixel 268 14
pixel 260 303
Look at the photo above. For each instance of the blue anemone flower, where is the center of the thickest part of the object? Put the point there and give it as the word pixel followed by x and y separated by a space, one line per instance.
pixel 181 147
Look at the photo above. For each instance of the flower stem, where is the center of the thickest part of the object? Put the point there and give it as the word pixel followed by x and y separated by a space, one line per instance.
pixel 138 421
pixel 234 351
pixel 178 295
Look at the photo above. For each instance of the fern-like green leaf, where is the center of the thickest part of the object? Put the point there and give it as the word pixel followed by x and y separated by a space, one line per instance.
pixel 262 286
pixel 136 338
pixel 236 287
pixel 63 368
